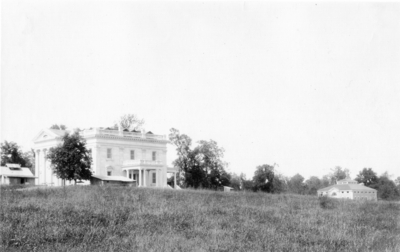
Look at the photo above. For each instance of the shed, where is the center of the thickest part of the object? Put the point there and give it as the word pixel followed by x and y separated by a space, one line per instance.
pixel 14 174
pixel 228 189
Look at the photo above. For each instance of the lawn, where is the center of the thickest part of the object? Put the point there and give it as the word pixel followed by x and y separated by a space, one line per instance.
pixel 91 218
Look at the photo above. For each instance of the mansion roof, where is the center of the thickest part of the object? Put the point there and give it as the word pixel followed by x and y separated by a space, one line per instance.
pixel 49 134
pixel 59 132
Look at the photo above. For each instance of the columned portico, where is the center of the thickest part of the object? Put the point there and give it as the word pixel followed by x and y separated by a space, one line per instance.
pixel 140 177
pixel 148 172
pixel 174 171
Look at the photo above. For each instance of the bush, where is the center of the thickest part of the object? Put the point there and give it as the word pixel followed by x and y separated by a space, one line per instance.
pixel 327 203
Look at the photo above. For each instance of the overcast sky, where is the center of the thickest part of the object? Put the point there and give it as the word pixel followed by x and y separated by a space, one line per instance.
pixel 308 86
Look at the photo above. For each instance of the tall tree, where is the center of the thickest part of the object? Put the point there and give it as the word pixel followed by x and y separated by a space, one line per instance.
pixel 202 166
pixel 279 184
pixel 326 180
pixel 263 178
pixel 368 177
pixel 71 160
pixel 29 157
pixel 11 153
pixel 130 122
pixel 387 189
pixel 338 173
pixel 58 127
pixel 296 184
pixel 313 184
pixel 235 182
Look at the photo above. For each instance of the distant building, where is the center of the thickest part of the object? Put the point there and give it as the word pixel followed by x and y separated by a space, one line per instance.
pixel 14 174
pixel 349 189
pixel 119 156
pixel 228 188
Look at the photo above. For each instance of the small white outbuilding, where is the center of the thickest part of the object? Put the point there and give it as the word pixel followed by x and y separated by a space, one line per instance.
pixel 227 189
pixel 14 174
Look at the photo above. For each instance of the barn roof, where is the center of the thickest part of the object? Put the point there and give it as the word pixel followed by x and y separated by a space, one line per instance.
pixel 347 187
pixel 21 172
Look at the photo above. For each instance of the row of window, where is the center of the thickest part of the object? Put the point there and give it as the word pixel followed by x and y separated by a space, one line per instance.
pixel 358 192
pixel 132 154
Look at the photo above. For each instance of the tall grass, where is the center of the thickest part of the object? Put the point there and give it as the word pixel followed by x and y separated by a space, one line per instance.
pixel 91 218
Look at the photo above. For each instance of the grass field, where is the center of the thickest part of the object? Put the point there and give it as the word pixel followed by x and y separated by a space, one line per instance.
pixel 90 218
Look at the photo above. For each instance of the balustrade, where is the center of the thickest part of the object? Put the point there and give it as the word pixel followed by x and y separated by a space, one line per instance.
pixel 89 132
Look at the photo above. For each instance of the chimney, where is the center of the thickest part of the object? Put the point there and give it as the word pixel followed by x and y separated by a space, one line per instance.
pixel 120 132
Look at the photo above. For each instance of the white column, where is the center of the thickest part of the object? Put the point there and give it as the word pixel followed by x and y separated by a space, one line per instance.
pixel 174 179
pixel 127 173
pixel 44 167
pixel 144 177
pixel 140 177
pixel 37 167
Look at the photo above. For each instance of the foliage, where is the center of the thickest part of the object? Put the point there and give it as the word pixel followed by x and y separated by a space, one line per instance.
pixel 202 166
pixel 129 122
pixel 279 184
pixel 11 153
pixel 263 178
pixel 325 181
pixel 313 184
pixel 387 189
pixel 235 182
pixel 247 185
pixel 29 157
pixel 368 177
pixel 296 184
pixel 338 173
pixel 91 218
pixel 71 160
pixel 327 203
pixel 58 127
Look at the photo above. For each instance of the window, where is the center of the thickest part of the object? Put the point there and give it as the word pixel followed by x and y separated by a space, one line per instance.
pixel 130 175
pixel 109 173
pixel 132 154
pixel 347 191
pixel 154 156
pixel 154 177
pixel 109 153
pixel 90 152
pixel 134 176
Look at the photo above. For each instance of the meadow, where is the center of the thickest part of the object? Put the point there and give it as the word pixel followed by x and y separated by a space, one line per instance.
pixel 92 218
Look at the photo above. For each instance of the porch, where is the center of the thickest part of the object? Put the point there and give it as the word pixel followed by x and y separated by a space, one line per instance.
pixel 145 172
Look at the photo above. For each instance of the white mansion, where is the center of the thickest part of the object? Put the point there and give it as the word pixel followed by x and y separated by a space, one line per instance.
pixel 118 156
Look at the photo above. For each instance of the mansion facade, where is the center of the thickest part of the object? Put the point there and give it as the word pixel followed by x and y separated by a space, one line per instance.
pixel 118 156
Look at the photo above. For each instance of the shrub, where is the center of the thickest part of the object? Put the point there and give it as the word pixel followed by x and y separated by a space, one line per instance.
pixel 327 203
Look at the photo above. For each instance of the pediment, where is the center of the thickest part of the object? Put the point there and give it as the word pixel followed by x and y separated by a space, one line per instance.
pixel 44 135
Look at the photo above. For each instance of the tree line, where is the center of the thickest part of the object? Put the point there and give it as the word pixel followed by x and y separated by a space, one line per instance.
pixel 201 166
